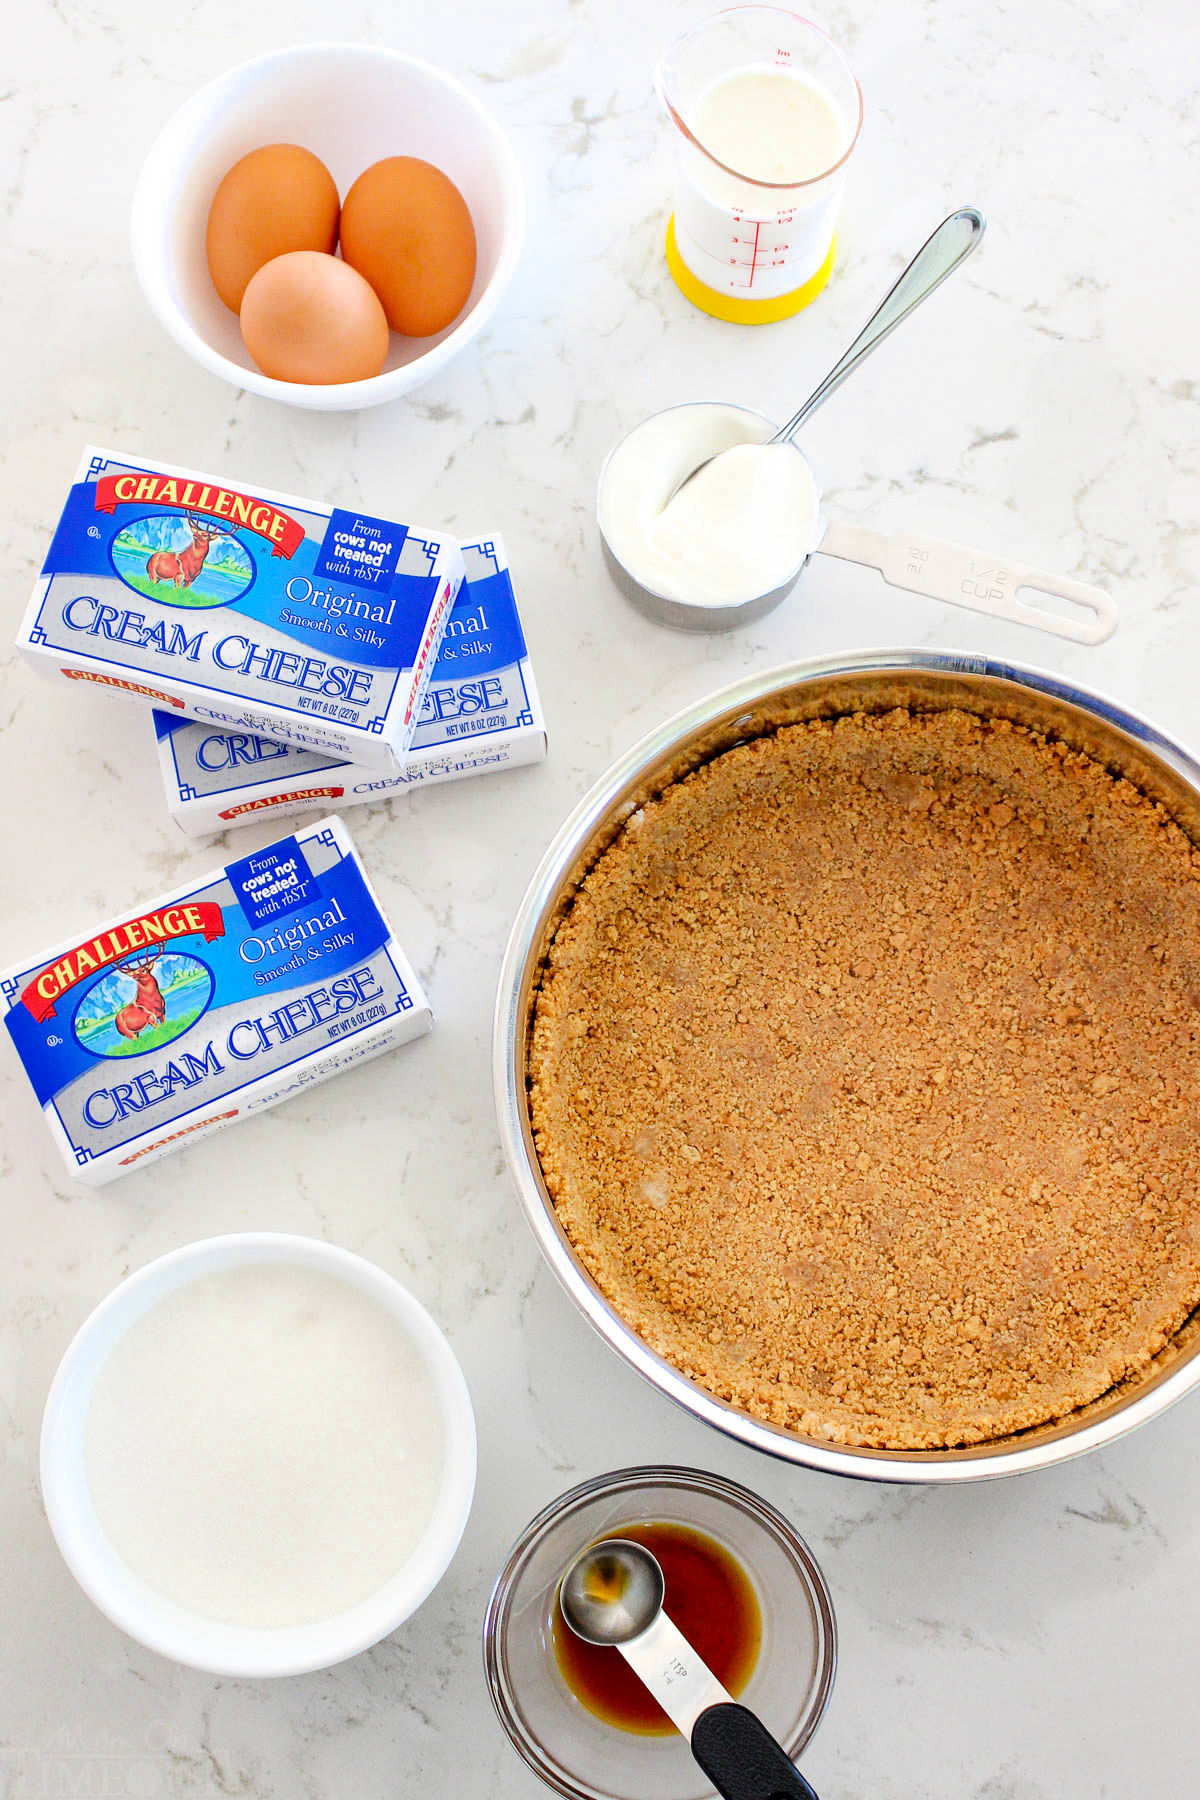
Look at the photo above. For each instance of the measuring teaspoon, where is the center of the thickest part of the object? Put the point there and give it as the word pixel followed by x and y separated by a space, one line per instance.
pixel 939 256
pixel 613 1595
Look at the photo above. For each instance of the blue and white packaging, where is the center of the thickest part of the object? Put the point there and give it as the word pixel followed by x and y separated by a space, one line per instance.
pixel 235 991
pixel 480 712
pixel 317 626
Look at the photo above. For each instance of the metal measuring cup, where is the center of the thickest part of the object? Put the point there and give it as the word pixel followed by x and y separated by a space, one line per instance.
pixel 978 580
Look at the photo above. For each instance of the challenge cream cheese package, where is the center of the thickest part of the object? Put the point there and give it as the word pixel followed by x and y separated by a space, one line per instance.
pixel 480 712
pixel 310 624
pixel 231 993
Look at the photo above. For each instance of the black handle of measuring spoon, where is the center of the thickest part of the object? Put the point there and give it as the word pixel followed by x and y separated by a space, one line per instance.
pixel 742 1759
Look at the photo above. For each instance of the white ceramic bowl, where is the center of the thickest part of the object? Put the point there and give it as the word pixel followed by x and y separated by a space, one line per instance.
pixel 350 104
pixel 173 1631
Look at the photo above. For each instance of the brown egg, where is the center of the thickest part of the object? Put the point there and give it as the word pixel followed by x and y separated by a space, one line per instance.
pixel 406 227
pixel 308 317
pixel 277 199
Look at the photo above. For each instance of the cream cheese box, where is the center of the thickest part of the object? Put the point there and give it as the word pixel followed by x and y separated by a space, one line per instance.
pixel 224 997
pixel 313 625
pixel 480 712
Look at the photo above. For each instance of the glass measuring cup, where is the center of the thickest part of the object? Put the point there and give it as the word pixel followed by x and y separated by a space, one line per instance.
pixel 759 245
pixel 978 580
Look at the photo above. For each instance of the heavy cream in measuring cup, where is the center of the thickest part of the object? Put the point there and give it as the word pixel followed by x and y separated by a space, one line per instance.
pixel 773 125
pixel 265 1446
pixel 741 527
pixel 767 112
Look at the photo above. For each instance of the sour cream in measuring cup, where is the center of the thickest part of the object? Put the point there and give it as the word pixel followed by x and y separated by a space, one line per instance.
pixel 739 529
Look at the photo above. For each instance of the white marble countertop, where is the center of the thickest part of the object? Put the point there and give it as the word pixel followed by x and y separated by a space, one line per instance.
pixel 1011 1641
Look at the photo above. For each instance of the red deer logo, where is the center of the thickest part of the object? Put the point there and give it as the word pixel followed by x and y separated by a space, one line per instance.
pixel 148 1006
pixel 183 566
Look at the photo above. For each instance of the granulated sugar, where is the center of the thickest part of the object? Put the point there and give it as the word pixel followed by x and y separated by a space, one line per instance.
pixel 264 1446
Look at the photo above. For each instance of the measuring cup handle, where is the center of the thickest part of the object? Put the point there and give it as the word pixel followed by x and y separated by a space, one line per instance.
pixel 742 1759
pixel 972 578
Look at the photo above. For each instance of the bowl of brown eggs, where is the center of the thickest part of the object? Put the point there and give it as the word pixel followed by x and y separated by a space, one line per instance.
pixel 328 225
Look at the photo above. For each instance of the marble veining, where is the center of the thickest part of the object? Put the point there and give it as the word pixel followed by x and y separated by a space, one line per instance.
pixel 1012 1641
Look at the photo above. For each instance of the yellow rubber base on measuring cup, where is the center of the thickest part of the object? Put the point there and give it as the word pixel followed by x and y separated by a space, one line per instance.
pixel 743 312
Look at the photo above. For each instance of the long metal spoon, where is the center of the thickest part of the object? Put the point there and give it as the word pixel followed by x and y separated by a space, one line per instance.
pixel 613 1595
pixel 939 256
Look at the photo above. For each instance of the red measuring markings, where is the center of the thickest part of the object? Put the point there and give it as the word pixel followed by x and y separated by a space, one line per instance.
pixel 758 258
pixel 750 253
pixel 749 263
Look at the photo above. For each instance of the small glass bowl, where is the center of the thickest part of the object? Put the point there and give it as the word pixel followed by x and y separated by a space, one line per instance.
pixel 578 1754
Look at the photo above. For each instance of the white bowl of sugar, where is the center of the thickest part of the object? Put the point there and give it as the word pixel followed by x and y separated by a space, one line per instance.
pixel 258 1455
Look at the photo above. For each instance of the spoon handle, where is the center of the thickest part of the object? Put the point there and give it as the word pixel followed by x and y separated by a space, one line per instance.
pixel 680 1680
pixel 951 243
pixel 742 1759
